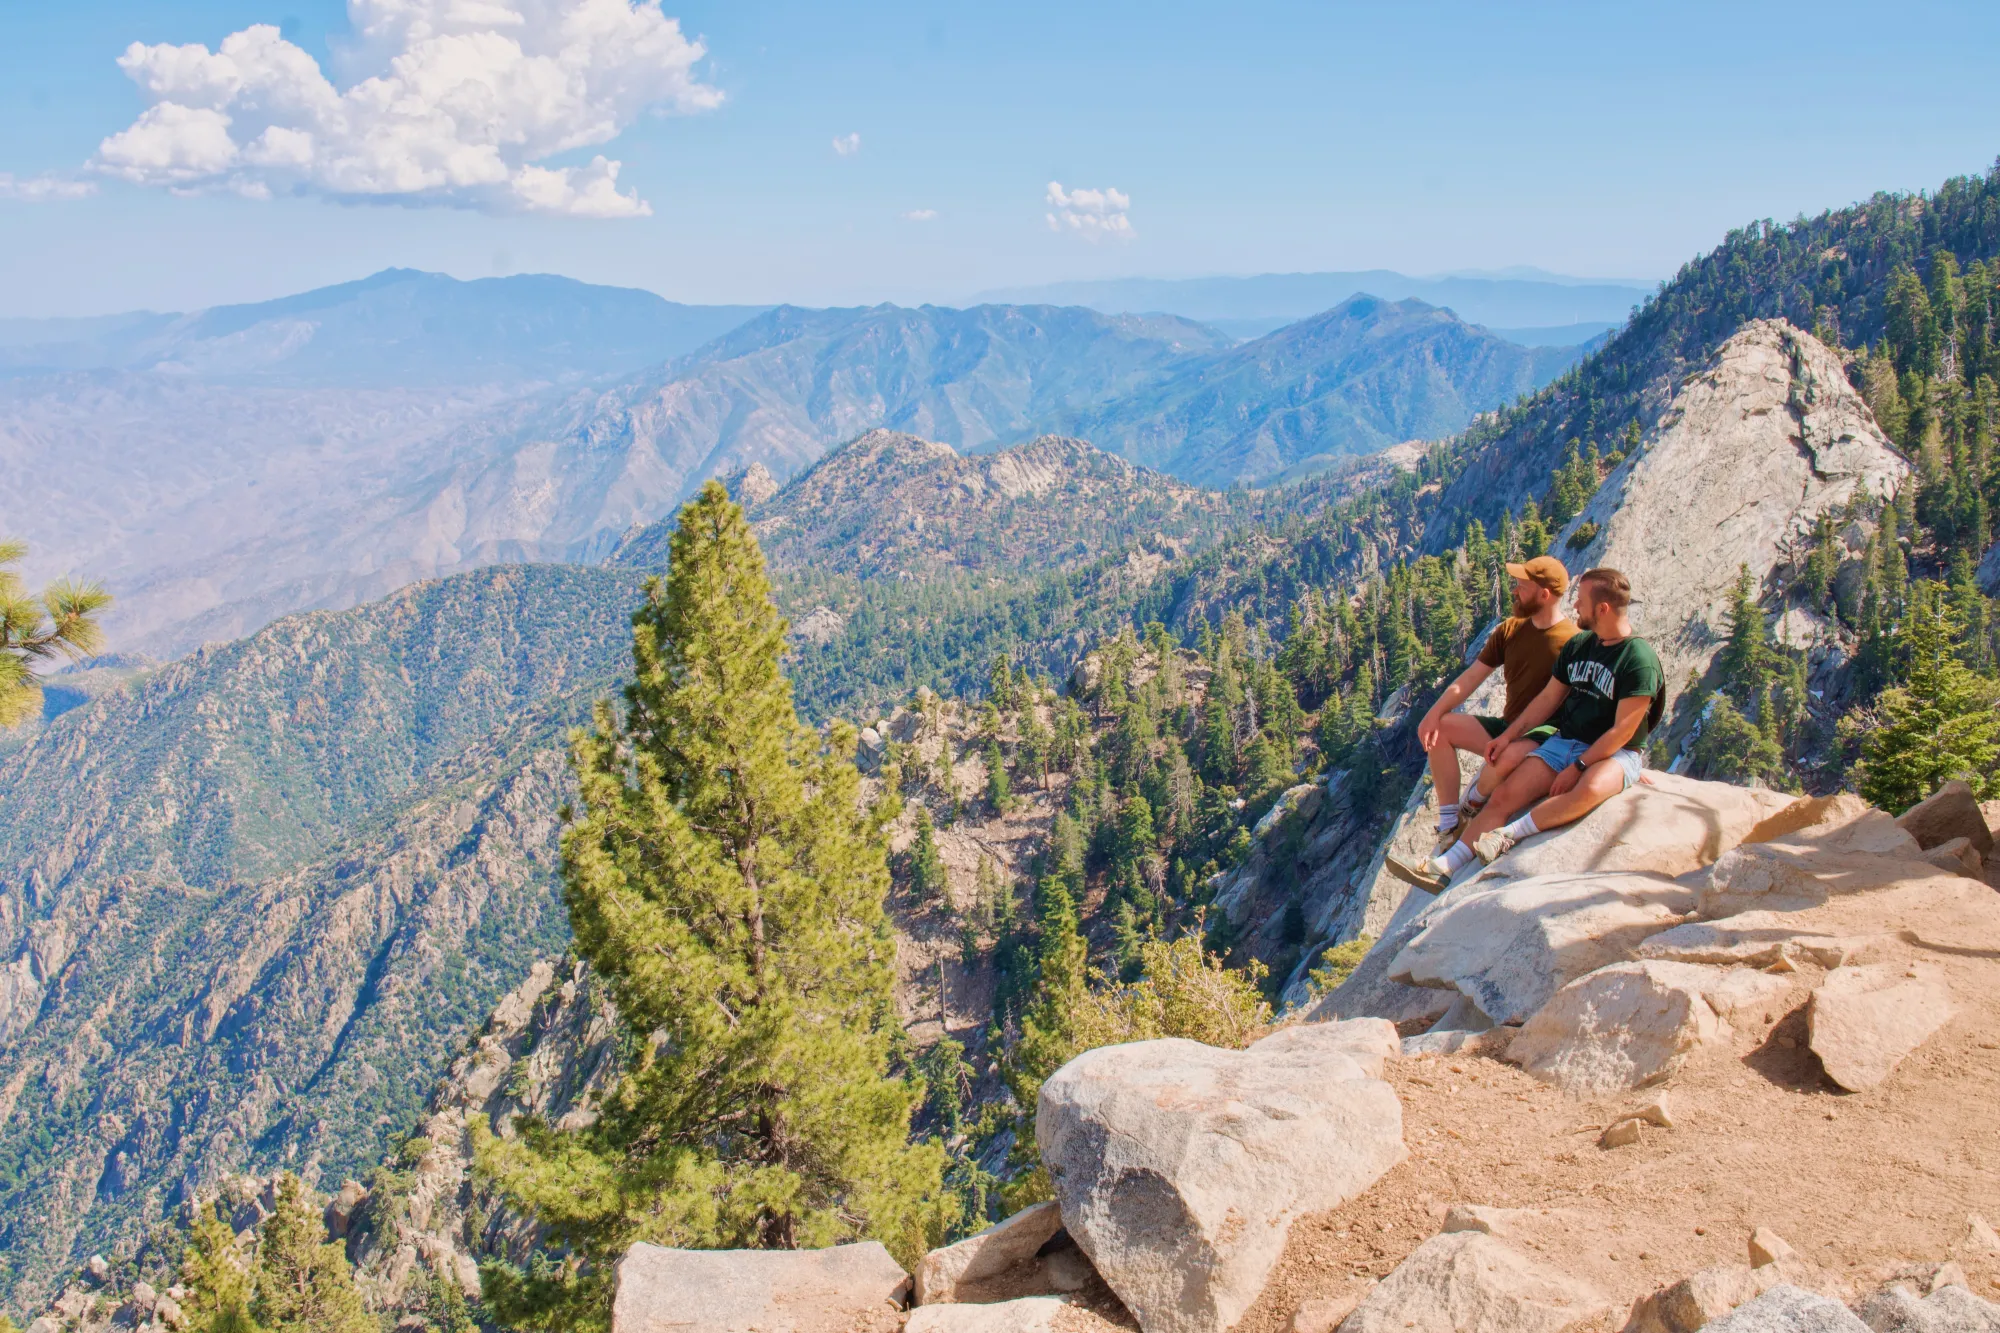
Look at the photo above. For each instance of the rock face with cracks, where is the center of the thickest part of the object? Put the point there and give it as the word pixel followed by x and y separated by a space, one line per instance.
pixel 1180 1168
pixel 1510 949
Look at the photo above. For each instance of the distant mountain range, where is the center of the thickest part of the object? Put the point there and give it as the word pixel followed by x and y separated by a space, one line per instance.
pixel 223 468
pixel 1360 377
pixel 398 329
pixel 1522 305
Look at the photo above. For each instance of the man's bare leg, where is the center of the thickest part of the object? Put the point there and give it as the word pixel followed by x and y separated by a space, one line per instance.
pixel 1527 784
pixel 1491 776
pixel 1600 782
pixel 1456 731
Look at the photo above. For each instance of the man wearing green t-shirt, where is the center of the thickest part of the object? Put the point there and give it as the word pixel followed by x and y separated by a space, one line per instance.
pixel 1605 696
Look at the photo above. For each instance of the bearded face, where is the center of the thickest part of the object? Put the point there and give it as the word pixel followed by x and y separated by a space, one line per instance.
pixel 1528 598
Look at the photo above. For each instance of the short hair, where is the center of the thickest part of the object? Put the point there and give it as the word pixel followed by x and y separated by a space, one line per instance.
pixel 1612 587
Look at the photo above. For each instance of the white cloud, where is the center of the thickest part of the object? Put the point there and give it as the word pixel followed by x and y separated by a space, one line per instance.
pixel 1091 214
pixel 847 145
pixel 43 189
pixel 455 102
pixel 920 215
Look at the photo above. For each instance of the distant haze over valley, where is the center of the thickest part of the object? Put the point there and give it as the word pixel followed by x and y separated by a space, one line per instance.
pixel 1524 305
pixel 221 468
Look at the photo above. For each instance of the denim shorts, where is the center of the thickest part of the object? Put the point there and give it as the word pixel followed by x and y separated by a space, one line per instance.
pixel 1559 752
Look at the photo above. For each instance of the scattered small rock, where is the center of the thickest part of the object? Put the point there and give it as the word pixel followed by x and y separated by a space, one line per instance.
pixel 1656 1112
pixel 1767 1247
pixel 1323 1315
pixel 1620 1133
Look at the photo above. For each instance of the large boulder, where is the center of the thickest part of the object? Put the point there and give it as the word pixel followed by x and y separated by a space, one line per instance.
pixel 1620 1027
pixel 1840 822
pixel 1667 825
pixel 1469 1282
pixel 1864 1020
pixel 1952 811
pixel 1789 877
pixel 1180 1167
pixel 1003 1255
pixel 845 1289
pixel 1758 939
pixel 1511 948
pixel 1789 1309
pixel 1369 1042
pixel 1948 1309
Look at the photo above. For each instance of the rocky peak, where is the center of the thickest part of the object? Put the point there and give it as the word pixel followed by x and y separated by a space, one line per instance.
pixel 1756 445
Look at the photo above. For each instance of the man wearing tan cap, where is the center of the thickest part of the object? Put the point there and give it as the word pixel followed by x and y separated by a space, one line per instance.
pixel 1605 697
pixel 1524 648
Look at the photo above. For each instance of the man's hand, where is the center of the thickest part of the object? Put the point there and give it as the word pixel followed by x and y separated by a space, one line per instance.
pixel 1497 747
pixel 1427 730
pixel 1565 780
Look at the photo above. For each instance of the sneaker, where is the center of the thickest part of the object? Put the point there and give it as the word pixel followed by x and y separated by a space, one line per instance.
pixel 1492 845
pixel 1430 881
pixel 1448 838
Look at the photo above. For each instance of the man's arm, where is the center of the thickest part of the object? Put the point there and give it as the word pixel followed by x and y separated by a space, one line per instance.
pixel 1631 712
pixel 1541 709
pixel 1454 694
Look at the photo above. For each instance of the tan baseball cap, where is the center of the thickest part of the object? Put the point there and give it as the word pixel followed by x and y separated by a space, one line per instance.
pixel 1545 570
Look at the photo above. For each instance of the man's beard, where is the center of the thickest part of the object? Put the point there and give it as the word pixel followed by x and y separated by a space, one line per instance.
pixel 1523 610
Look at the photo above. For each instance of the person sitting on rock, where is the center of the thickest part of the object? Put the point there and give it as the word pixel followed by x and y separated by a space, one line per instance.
pixel 1606 695
pixel 1524 647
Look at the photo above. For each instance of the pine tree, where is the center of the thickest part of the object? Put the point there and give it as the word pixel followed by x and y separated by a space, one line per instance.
pixel 220 1287
pixel 928 881
pixel 1940 725
pixel 60 622
pixel 303 1282
pixel 999 792
pixel 726 883
pixel 1744 662
pixel 1062 981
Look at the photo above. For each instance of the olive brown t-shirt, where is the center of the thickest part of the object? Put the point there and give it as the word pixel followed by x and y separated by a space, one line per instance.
pixel 1526 657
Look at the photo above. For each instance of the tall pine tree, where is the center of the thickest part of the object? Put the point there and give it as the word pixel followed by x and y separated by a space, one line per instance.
pixel 1940 725
pixel 726 882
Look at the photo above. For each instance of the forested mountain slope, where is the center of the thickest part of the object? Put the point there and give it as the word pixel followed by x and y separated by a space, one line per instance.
pixel 254 903
pixel 1357 378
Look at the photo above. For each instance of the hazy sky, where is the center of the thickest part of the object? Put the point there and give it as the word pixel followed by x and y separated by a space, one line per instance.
pixel 825 153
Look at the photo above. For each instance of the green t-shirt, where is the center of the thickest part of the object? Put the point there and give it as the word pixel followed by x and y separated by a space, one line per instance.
pixel 1599 675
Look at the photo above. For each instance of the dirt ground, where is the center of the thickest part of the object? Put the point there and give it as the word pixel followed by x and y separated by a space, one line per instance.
pixel 1863 1184
pixel 1866 1185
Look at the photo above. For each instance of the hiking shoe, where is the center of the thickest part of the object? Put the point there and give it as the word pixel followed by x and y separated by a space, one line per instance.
pixel 1492 845
pixel 1448 838
pixel 1430 881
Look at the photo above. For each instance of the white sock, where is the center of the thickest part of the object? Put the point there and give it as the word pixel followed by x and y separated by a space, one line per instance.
pixel 1454 860
pixel 1447 816
pixel 1473 797
pixel 1524 827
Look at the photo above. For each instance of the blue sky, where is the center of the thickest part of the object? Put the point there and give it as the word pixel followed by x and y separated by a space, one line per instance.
pixel 1587 139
